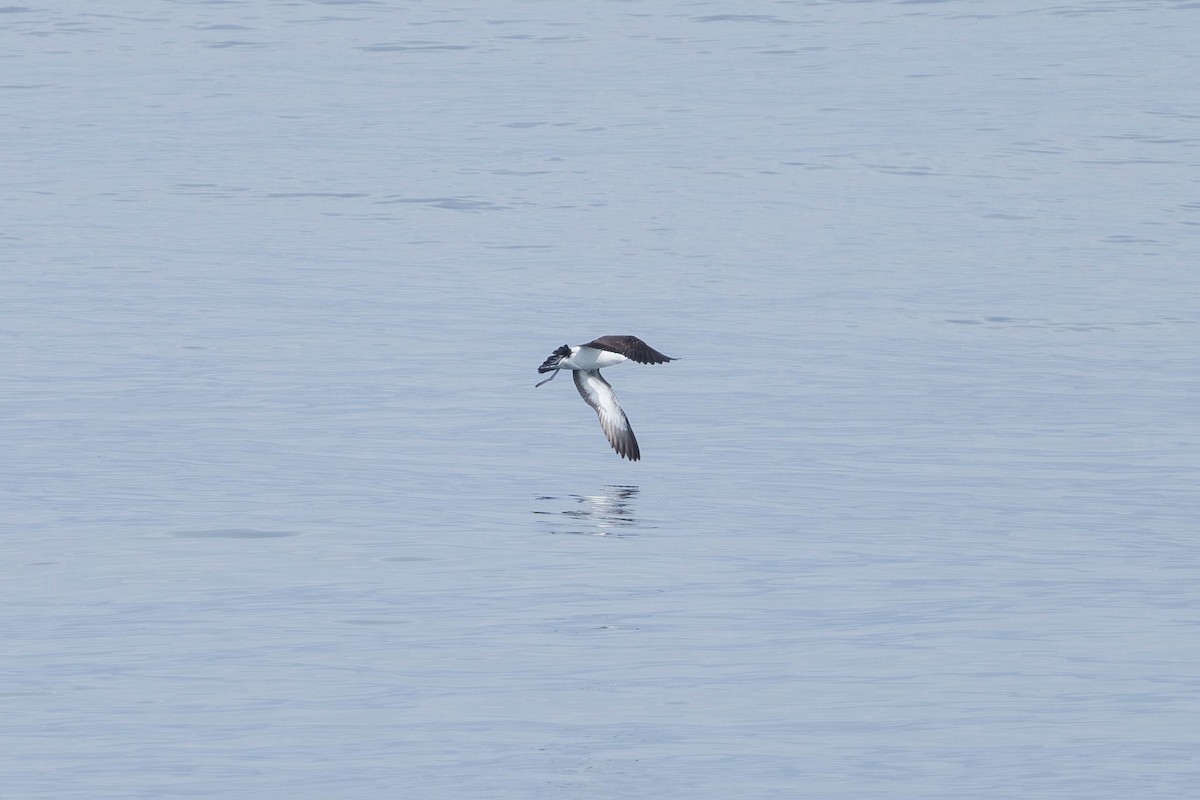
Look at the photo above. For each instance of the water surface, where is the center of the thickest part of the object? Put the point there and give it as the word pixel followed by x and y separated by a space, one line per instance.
pixel 285 515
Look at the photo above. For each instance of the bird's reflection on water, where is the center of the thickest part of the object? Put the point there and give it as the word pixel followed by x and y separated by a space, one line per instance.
pixel 609 513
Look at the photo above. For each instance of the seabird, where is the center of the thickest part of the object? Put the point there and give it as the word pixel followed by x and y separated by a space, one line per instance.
pixel 585 362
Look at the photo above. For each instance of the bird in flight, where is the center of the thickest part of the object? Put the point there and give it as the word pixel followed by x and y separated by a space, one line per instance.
pixel 585 362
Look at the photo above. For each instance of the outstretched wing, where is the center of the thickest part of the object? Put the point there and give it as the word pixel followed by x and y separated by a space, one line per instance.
pixel 600 395
pixel 631 347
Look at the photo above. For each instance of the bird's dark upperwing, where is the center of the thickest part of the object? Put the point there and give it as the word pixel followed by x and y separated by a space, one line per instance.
pixel 600 395
pixel 631 347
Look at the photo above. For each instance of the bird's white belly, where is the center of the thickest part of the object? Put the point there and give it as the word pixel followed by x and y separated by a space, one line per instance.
pixel 590 358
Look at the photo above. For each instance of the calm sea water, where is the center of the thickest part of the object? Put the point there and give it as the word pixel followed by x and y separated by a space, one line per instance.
pixel 285 517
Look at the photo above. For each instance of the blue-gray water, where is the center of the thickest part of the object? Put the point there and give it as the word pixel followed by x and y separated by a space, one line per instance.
pixel 285 517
